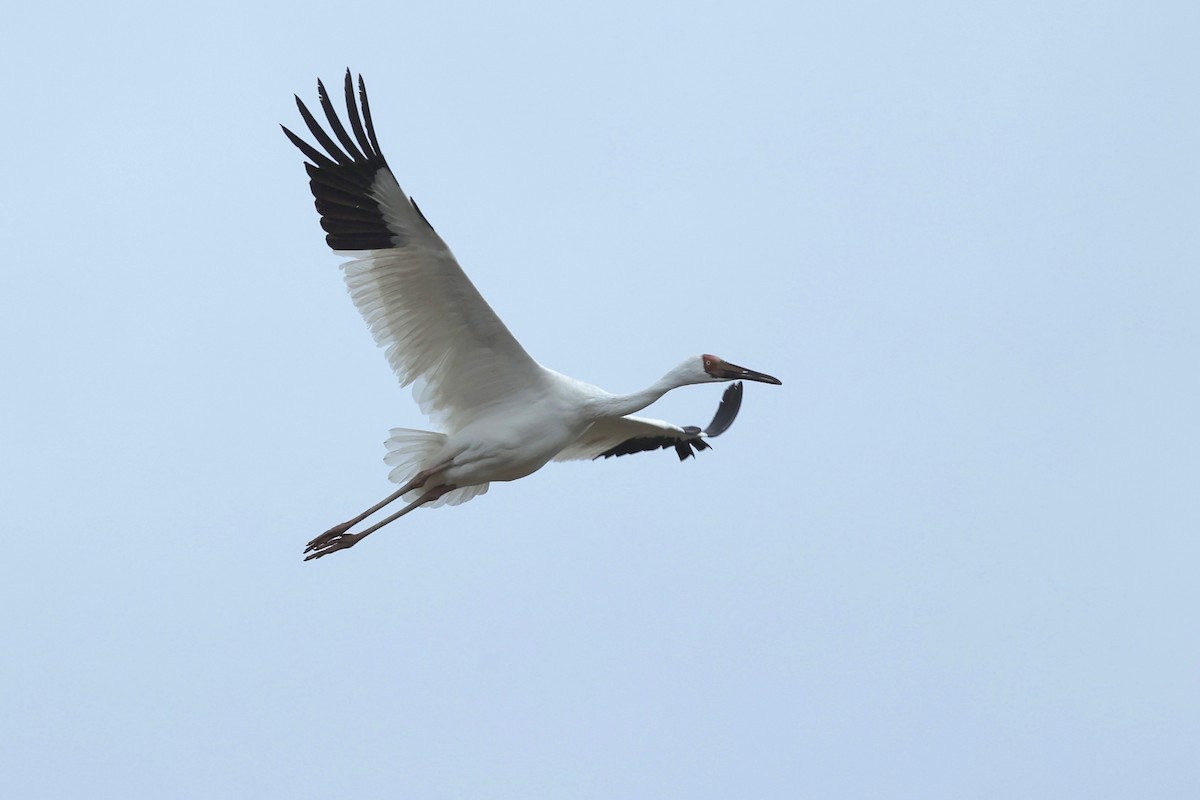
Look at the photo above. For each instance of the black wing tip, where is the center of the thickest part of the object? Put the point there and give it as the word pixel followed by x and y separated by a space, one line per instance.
pixel 342 177
pixel 727 411
pixel 358 113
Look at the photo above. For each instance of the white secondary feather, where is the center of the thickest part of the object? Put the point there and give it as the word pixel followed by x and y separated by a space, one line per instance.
pixel 439 332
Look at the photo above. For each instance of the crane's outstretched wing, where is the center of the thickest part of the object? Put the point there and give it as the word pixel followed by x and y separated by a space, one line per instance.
pixel 438 330
pixel 624 435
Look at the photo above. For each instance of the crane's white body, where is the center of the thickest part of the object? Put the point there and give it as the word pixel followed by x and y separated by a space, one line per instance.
pixel 504 416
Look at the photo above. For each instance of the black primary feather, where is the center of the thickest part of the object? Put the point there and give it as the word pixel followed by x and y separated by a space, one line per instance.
pixel 341 178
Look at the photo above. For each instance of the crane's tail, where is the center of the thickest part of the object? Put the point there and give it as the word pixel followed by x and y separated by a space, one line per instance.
pixel 409 451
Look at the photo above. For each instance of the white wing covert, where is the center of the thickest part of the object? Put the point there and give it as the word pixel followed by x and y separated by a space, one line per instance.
pixel 438 331
pixel 619 436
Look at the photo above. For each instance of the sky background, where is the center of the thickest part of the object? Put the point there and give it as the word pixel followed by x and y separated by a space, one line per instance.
pixel 954 555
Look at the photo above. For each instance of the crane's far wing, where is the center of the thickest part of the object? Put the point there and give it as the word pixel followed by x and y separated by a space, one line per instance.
pixel 438 330
pixel 621 436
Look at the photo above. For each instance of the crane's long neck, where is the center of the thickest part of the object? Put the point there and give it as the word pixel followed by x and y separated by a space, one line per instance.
pixel 618 405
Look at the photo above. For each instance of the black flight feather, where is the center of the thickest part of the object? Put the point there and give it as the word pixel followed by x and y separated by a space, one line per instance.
pixel 342 177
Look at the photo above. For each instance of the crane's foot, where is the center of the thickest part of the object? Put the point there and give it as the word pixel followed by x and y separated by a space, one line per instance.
pixel 332 540
pixel 340 543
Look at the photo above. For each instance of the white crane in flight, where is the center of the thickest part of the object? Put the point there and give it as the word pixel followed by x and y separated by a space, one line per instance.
pixel 505 415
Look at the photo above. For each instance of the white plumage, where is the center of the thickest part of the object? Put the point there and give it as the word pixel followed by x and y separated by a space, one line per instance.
pixel 504 415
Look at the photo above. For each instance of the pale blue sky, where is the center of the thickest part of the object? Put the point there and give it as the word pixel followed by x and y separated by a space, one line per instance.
pixel 954 556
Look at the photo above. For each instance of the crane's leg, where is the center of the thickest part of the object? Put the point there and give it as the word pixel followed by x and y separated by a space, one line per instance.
pixel 340 530
pixel 325 544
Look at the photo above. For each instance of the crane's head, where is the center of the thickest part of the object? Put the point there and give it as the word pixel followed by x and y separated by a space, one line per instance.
pixel 718 369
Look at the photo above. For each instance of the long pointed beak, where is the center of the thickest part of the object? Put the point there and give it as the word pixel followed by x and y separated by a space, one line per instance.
pixel 735 373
